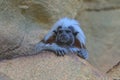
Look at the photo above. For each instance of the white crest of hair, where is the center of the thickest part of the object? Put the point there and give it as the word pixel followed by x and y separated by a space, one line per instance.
pixel 66 22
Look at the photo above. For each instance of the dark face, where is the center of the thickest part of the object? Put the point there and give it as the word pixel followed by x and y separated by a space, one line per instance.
pixel 64 36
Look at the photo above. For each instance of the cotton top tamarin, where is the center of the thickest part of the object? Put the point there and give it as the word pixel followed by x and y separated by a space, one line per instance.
pixel 66 36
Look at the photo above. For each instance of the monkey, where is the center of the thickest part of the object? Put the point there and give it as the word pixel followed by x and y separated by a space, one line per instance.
pixel 66 36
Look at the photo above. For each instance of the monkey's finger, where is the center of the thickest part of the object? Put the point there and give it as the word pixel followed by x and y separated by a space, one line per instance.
pixel 75 50
pixel 71 50
pixel 65 51
pixel 57 53
pixel 80 54
pixel 83 54
pixel 61 52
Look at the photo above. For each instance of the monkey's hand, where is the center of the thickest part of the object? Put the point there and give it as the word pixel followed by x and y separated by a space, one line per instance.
pixel 59 51
pixel 80 52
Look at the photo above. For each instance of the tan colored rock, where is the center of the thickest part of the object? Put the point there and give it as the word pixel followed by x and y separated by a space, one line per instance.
pixel 47 66
pixel 22 21
pixel 102 30
pixel 4 77
pixel 98 5
pixel 15 30
pixel 114 72
pixel 47 11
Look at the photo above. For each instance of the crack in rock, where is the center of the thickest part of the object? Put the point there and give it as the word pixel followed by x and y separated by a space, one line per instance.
pixel 5 54
pixel 103 9
pixel 113 67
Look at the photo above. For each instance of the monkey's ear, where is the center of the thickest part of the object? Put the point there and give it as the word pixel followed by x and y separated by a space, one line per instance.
pixel 55 32
pixel 73 30
pixel 75 33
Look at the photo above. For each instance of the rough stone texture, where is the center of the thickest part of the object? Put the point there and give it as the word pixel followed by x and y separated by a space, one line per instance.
pixel 24 22
pixel 47 66
pixel 4 77
pixel 114 72
pixel 101 4
pixel 102 31
pixel 101 26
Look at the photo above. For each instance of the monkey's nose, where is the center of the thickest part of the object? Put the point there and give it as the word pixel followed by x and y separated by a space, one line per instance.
pixel 63 36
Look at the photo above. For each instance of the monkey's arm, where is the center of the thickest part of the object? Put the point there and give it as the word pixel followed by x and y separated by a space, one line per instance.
pixel 41 46
pixel 81 52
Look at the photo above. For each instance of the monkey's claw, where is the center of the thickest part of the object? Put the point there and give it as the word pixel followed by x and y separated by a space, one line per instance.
pixel 80 52
pixel 83 53
pixel 74 50
pixel 60 52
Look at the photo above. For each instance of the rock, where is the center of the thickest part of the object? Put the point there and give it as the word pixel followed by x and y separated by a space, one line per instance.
pixel 48 11
pixel 102 31
pixel 4 77
pixel 114 72
pixel 24 23
pixel 48 66
pixel 98 5
pixel 17 32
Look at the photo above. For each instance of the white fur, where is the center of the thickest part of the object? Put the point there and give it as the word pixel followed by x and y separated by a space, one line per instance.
pixel 66 22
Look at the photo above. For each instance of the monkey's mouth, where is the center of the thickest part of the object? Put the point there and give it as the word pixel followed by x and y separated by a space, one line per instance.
pixel 64 39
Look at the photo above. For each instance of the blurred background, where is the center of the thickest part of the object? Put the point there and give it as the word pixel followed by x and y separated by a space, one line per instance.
pixel 25 22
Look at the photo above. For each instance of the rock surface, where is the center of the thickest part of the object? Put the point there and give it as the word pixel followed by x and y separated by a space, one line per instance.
pixel 47 66
pixel 102 31
pixel 101 23
pixel 114 72
pixel 24 23
pixel 4 77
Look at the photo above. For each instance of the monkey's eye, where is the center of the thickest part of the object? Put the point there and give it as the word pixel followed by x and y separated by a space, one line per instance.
pixel 60 31
pixel 68 31
pixel 59 27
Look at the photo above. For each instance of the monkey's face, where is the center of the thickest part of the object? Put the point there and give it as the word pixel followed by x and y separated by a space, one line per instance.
pixel 64 36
